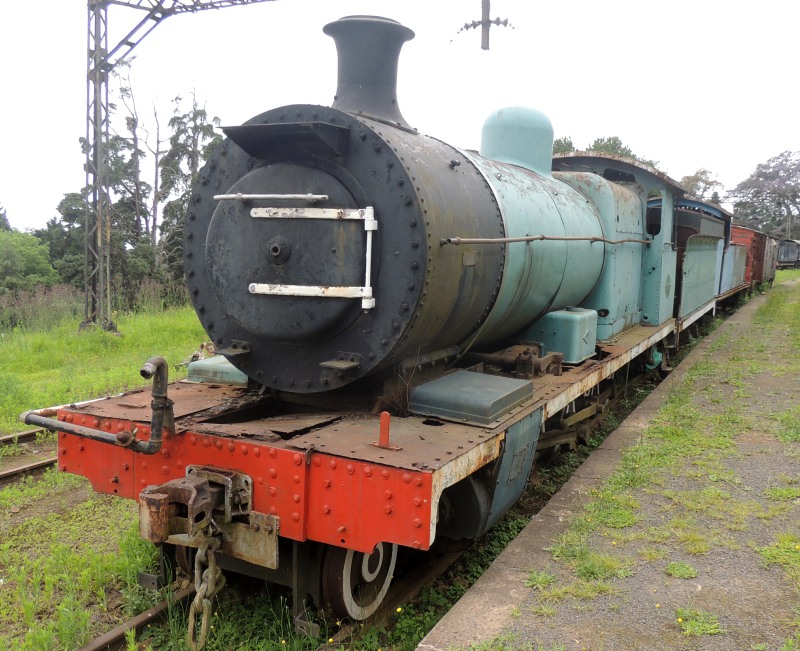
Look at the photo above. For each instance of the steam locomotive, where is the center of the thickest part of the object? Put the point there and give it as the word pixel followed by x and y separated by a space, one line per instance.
pixel 401 324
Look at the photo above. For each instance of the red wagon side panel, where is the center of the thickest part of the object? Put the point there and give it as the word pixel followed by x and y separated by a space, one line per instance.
pixel 756 250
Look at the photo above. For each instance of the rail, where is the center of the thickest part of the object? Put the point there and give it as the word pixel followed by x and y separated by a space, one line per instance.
pixel 456 241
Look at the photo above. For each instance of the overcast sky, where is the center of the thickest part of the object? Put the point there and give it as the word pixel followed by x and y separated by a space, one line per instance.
pixel 689 83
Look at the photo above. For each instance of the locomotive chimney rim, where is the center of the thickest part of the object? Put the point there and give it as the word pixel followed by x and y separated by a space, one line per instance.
pixel 369 50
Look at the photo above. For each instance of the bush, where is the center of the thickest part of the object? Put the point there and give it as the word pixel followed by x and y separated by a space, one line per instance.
pixel 40 309
pixel 46 307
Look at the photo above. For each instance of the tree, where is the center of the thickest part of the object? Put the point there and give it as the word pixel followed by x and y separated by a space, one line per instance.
pixel 613 145
pixel 135 252
pixel 4 223
pixel 191 142
pixel 769 199
pixel 64 237
pixel 24 262
pixel 129 212
pixel 138 190
pixel 563 145
pixel 702 185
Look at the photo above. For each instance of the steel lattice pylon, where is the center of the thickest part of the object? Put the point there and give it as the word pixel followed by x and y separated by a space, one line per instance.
pixel 101 61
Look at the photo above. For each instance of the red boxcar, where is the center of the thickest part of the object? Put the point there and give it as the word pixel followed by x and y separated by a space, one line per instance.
pixel 756 244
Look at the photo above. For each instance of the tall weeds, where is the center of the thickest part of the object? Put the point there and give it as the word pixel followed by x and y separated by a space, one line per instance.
pixel 48 307
pixel 64 365
pixel 41 309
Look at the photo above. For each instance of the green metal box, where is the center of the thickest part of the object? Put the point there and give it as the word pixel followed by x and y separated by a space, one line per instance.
pixel 470 397
pixel 216 370
pixel 572 331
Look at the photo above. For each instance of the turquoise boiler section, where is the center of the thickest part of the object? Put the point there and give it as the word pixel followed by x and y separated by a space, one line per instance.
pixel 544 274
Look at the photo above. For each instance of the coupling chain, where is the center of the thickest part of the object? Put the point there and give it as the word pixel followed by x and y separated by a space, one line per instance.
pixel 207 582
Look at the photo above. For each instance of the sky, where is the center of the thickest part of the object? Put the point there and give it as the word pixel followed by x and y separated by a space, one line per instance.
pixel 689 83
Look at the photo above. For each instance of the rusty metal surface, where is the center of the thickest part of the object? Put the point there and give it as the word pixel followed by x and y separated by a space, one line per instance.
pixel 157 504
pixel 189 398
pixel 426 443
pixel 255 541
pixel 264 429
pixel 115 640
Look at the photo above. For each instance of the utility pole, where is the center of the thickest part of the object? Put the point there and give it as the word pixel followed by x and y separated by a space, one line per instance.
pixel 485 23
pixel 101 61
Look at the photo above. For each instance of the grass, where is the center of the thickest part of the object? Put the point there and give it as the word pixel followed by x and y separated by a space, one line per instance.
pixel 783 494
pixel 785 551
pixel 62 365
pixel 680 570
pixel 417 618
pixel 246 616
pixel 693 438
pixel 539 579
pixel 65 567
pixel 30 489
pixel 69 567
pixel 577 590
pixel 694 623
pixel 789 421
pixel 77 595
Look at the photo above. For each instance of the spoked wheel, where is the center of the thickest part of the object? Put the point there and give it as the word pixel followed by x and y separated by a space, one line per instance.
pixel 354 585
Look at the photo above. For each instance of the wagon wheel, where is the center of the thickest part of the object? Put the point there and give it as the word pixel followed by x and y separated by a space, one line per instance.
pixel 355 584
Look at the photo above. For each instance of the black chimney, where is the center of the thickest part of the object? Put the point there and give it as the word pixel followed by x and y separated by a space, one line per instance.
pixel 369 48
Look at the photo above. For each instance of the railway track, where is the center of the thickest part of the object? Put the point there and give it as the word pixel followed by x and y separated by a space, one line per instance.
pixel 405 589
pixel 114 640
pixel 21 437
pixel 13 466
